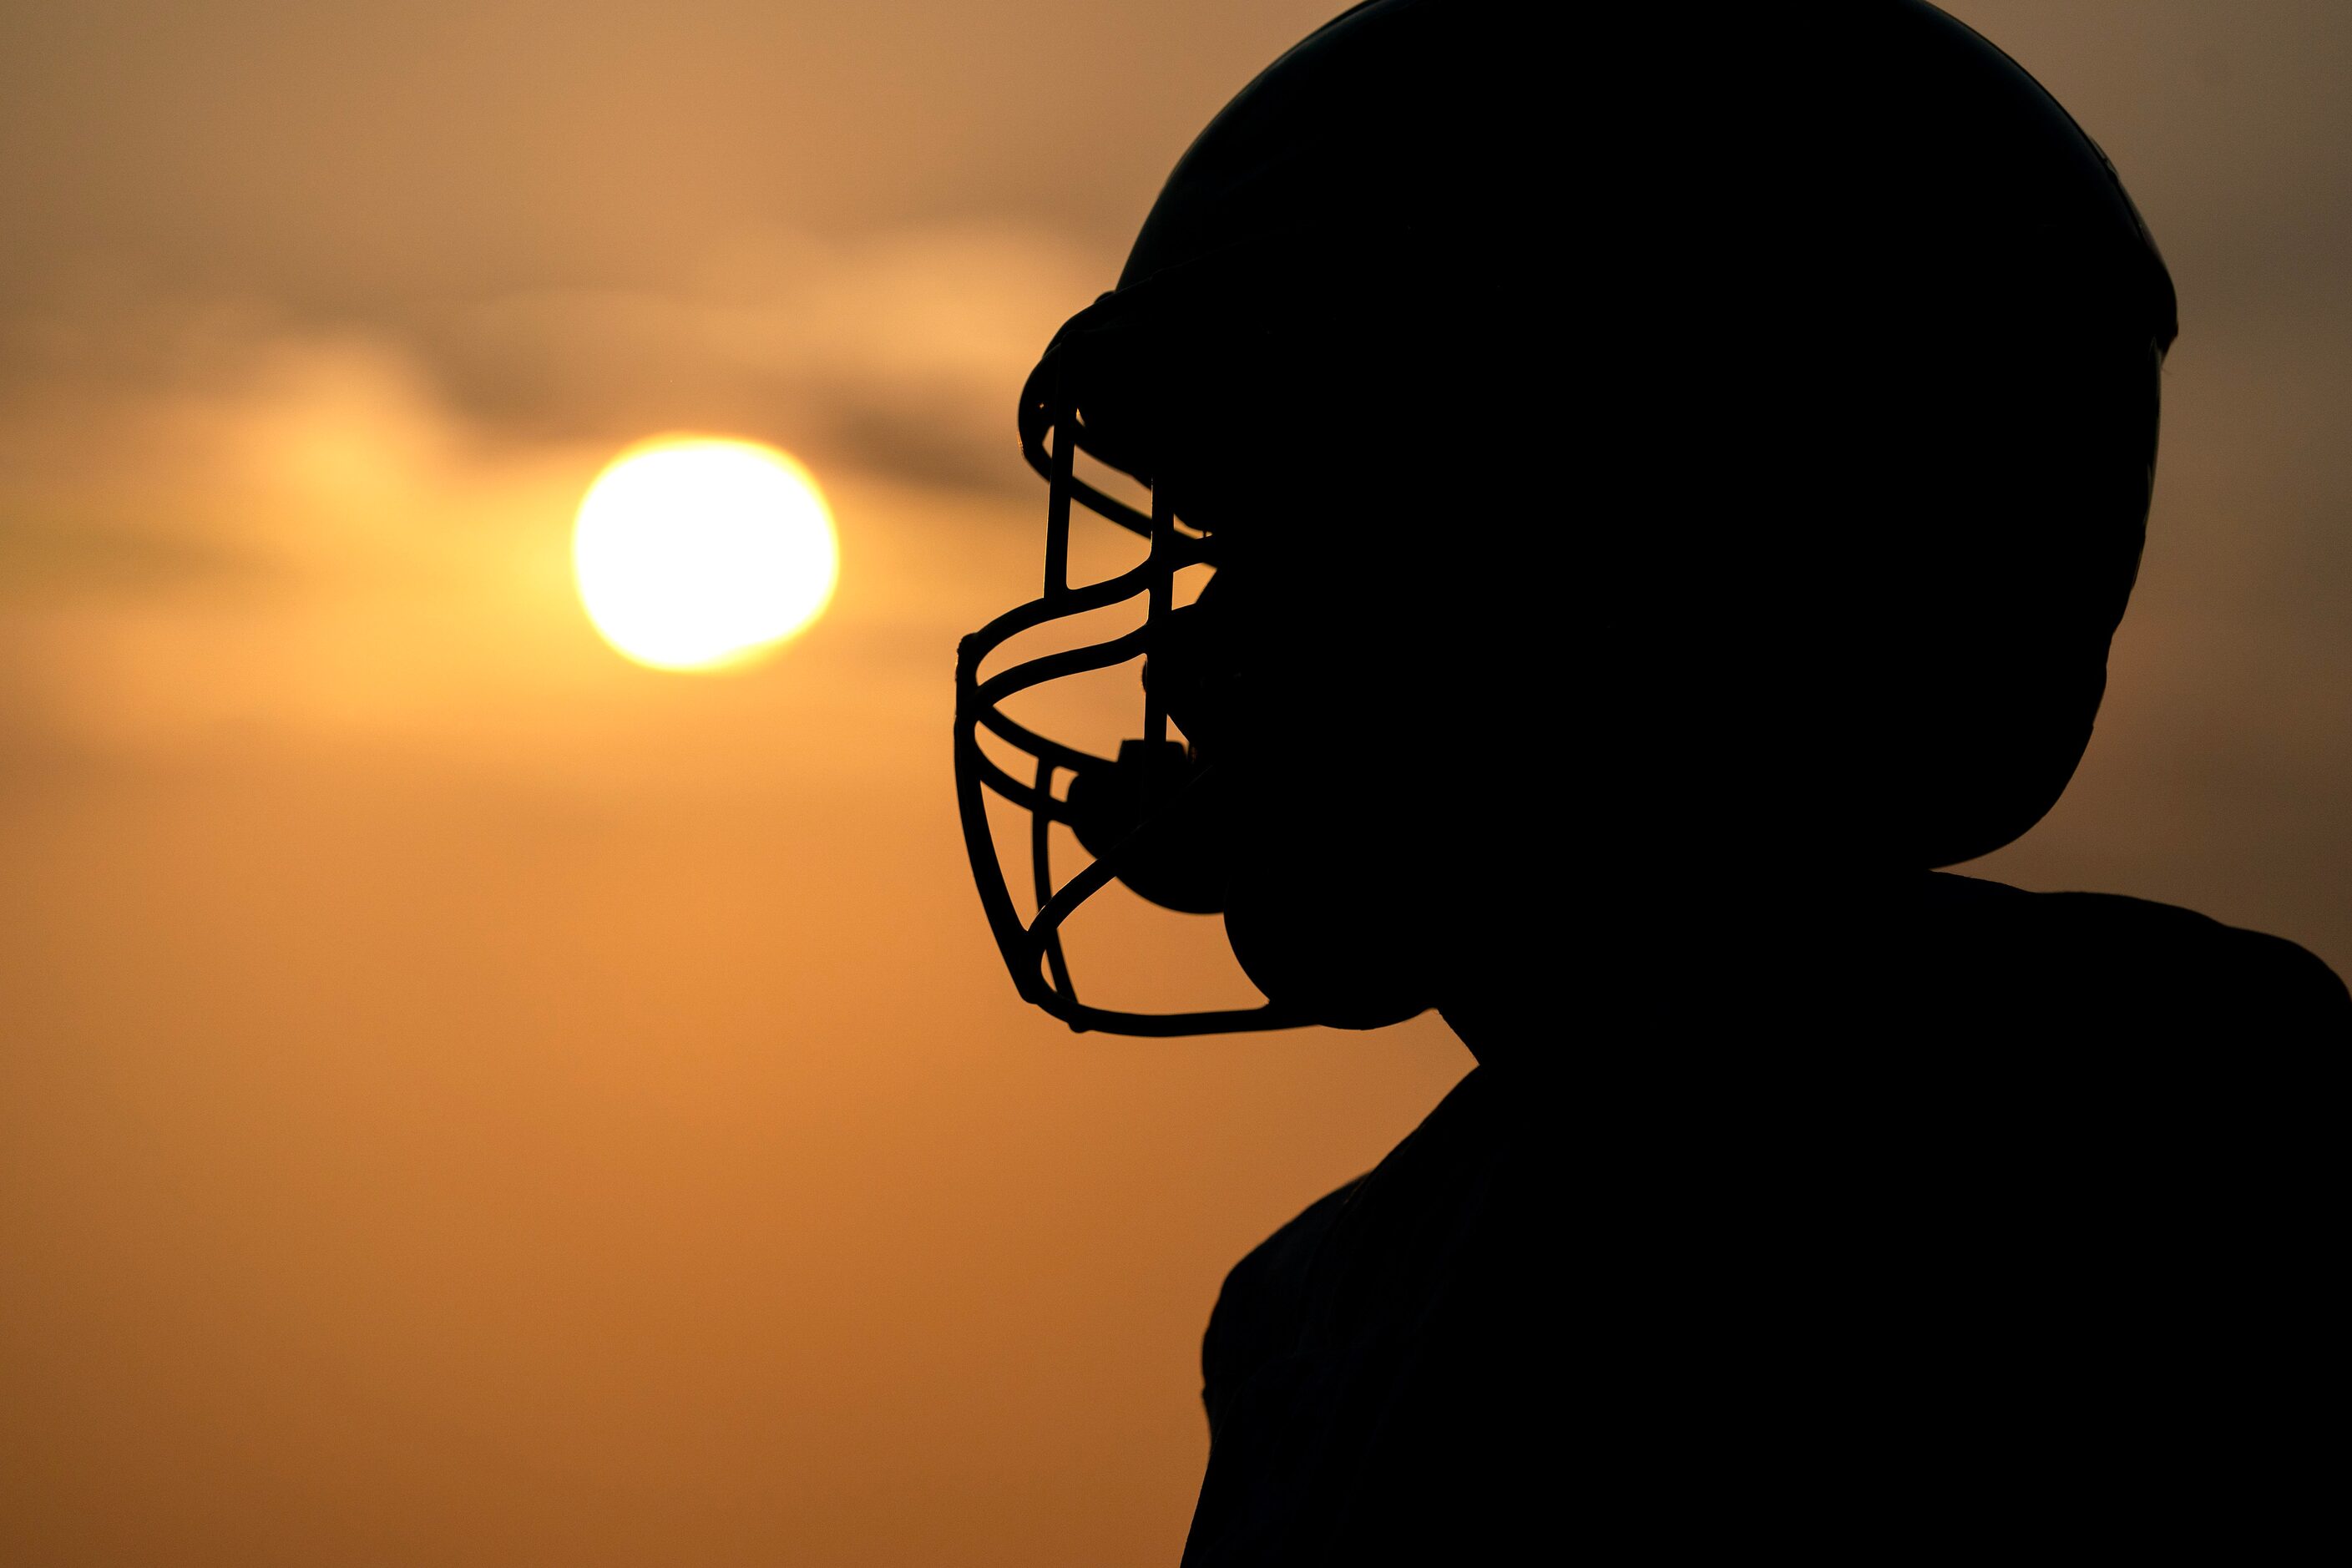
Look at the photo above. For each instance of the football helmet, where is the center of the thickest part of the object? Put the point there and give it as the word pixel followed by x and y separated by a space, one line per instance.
pixel 1408 246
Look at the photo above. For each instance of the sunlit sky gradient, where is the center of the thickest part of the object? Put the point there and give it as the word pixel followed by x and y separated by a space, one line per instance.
pixel 468 1099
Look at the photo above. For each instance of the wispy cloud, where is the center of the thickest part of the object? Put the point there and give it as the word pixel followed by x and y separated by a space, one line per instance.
pixel 900 351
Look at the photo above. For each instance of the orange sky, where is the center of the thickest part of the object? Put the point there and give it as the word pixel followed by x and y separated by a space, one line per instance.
pixel 467 1098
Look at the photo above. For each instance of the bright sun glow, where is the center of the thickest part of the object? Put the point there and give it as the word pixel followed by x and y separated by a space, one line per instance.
pixel 693 553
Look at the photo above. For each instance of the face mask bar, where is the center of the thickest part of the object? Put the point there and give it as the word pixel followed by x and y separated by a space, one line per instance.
pixel 1033 951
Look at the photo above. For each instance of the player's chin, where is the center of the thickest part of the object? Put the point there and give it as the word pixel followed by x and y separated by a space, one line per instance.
pixel 1327 951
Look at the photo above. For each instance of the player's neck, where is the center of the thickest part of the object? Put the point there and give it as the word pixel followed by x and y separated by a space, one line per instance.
pixel 1682 965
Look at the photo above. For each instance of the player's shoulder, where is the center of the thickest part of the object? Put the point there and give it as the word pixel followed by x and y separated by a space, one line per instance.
pixel 2171 959
pixel 1366 1250
pixel 1260 1309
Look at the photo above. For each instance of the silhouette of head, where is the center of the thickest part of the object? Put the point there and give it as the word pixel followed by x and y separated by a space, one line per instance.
pixel 1628 453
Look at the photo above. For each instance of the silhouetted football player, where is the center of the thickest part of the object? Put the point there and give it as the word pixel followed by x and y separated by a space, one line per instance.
pixel 1671 483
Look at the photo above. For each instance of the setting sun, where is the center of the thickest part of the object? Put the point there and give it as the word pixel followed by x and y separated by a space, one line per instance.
pixel 697 552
